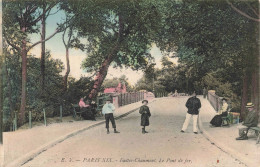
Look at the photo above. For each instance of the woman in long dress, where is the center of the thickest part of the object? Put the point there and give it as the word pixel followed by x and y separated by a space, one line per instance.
pixel 217 119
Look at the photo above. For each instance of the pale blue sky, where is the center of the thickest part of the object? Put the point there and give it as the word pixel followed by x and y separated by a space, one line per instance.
pixel 55 45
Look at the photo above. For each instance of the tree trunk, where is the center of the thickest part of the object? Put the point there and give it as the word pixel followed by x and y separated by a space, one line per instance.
pixel 254 90
pixel 24 80
pixel 244 95
pixel 43 35
pixel 9 89
pixel 68 69
pixel 1 99
pixel 1 89
pixel 101 75
pixel 258 78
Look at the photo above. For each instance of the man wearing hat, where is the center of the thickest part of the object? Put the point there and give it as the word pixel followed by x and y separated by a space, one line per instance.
pixel 193 104
pixel 251 120
pixel 108 110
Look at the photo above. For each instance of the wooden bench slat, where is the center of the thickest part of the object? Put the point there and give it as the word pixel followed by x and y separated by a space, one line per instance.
pixel 255 128
pixel 258 135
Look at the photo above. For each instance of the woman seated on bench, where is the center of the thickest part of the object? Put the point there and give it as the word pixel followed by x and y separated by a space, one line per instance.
pixel 82 104
pixel 86 111
pixel 217 119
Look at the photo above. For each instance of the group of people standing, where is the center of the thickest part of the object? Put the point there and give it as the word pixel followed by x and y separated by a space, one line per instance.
pixel 108 110
pixel 89 112
pixel 193 104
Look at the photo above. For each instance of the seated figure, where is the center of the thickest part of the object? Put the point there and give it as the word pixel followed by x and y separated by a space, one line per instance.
pixel 86 110
pixel 82 103
pixel 217 119
pixel 251 120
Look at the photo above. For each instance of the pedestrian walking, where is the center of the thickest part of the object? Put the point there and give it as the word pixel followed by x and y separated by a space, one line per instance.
pixel 108 110
pixel 193 104
pixel 251 120
pixel 145 114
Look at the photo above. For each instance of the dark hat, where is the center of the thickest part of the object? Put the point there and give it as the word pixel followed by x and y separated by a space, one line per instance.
pixel 224 99
pixel 109 99
pixel 145 101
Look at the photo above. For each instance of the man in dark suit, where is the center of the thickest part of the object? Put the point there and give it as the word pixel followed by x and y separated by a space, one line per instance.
pixel 193 104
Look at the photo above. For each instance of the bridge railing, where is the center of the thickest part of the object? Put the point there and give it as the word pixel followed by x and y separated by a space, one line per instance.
pixel 128 98
pixel 214 100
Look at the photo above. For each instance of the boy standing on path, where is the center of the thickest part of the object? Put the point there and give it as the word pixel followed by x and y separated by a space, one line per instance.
pixel 193 104
pixel 144 110
pixel 108 110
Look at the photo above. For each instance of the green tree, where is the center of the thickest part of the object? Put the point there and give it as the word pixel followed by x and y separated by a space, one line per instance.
pixel 46 6
pixel 208 36
pixel 118 33
pixel 20 18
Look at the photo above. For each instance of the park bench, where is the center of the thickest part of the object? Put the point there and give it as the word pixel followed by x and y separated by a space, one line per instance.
pixel 77 111
pixel 225 121
pixel 257 132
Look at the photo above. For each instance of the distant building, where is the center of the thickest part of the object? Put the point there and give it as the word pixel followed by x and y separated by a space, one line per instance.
pixel 118 89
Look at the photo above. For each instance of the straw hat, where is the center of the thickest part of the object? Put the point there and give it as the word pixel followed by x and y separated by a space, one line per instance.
pixel 249 105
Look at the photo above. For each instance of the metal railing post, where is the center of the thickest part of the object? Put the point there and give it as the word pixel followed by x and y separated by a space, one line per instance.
pixel 121 99
pixel 61 113
pixel 44 117
pixel 15 121
pixel 30 119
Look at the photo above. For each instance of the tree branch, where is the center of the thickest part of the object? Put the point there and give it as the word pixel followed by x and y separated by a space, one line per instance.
pixel 41 41
pixel 50 14
pixel 254 11
pixel 242 13
pixel 63 38
pixel 40 16
pixel 11 44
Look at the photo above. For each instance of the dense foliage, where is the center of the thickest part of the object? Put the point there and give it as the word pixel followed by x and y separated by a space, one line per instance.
pixel 216 47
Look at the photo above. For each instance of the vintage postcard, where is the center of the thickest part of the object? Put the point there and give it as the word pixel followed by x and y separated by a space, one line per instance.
pixel 129 83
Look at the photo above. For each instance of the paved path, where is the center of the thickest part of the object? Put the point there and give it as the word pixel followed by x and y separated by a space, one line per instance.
pixel 24 143
pixel 164 145
pixel 224 137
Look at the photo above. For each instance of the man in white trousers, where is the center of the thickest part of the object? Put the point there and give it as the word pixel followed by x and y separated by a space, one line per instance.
pixel 193 104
